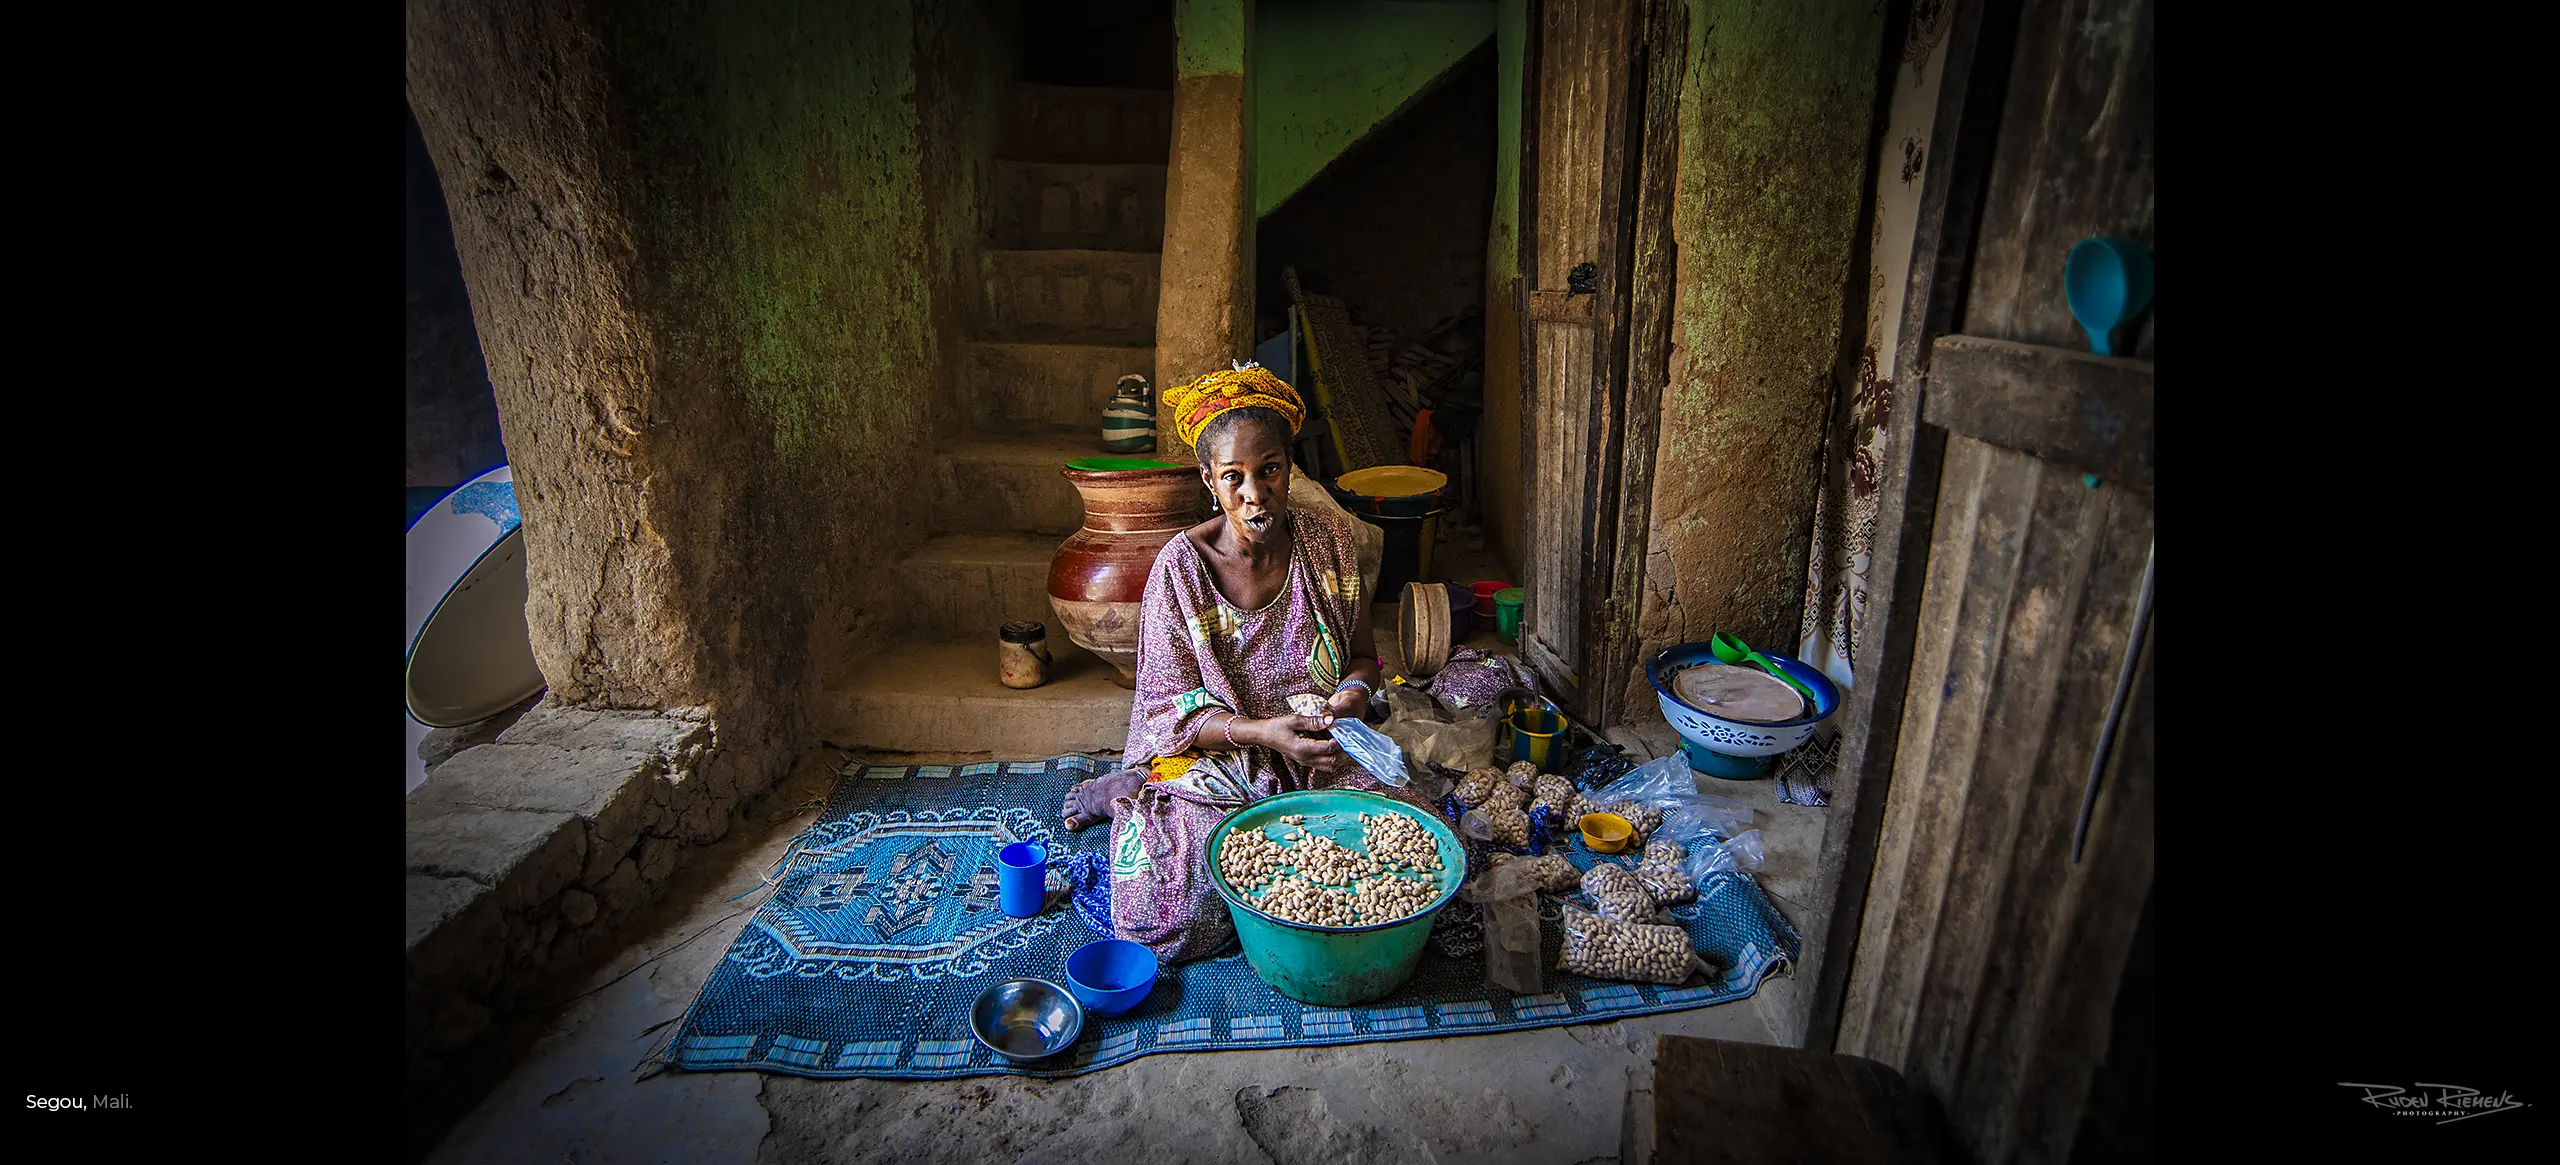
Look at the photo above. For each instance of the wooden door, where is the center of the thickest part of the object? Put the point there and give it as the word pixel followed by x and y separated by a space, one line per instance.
pixel 1574 187
pixel 2011 863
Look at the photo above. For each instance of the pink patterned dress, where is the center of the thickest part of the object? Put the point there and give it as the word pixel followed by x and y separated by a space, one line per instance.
pixel 1198 653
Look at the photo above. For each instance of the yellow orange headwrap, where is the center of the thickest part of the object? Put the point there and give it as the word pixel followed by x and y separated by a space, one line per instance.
pixel 1245 386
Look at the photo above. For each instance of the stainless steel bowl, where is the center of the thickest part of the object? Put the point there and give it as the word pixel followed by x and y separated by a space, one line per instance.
pixel 1026 1019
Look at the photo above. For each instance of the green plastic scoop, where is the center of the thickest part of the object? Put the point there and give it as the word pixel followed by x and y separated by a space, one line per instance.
pixel 1734 651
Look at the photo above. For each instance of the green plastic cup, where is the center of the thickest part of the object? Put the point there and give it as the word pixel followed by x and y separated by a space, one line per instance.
pixel 1506 613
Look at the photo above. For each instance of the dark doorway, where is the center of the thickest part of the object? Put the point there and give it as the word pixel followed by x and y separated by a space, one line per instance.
pixel 1396 228
pixel 1120 44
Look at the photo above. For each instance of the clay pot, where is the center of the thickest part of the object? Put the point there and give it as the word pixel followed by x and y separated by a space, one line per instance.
pixel 1131 509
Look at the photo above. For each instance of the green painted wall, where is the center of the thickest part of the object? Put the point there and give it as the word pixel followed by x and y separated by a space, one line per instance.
pixel 1326 72
pixel 1511 39
pixel 1209 36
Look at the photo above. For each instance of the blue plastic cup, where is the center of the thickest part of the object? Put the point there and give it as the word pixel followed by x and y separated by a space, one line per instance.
pixel 1022 875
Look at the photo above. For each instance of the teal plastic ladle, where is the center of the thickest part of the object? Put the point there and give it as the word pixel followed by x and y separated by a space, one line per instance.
pixel 2107 282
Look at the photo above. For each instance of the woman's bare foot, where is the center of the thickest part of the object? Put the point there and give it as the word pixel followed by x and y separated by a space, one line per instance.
pixel 1088 803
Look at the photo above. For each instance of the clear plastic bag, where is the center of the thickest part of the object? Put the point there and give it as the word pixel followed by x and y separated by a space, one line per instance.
pixel 1476 786
pixel 1496 823
pixel 1508 891
pixel 1704 817
pixel 1663 871
pixel 1743 854
pixel 1651 783
pixel 1555 873
pixel 1630 952
pixel 1381 756
pixel 1616 894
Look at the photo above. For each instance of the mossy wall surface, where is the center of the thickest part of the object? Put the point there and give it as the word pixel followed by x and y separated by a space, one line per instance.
pixel 1327 72
pixel 813 181
pixel 1774 126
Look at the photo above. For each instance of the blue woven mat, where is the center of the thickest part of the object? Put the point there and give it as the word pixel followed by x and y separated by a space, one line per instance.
pixel 883 927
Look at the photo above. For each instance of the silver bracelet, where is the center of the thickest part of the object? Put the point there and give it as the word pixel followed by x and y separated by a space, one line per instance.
pixel 1347 685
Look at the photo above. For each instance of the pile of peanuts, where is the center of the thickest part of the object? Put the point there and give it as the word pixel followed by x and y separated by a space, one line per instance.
pixel 1250 858
pixel 1662 875
pixel 1605 948
pixel 1399 842
pixel 1318 882
pixel 1616 894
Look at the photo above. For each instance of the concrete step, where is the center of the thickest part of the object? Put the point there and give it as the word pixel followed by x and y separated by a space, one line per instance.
pixel 1070 297
pixel 1096 206
pixel 968 585
pixel 1011 484
pixel 941 696
pixel 1010 388
pixel 1074 123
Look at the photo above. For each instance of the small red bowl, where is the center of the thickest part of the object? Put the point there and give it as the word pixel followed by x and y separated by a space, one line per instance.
pixel 1484 596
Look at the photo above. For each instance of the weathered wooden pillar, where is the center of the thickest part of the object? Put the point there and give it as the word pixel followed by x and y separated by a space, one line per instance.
pixel 1204 315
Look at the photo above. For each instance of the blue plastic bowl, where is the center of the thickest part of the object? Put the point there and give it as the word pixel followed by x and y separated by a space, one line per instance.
pixel 1736 749
pixel 1111 975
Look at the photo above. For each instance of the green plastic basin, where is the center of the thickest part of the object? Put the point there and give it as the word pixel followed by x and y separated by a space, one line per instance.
pixel 1333 966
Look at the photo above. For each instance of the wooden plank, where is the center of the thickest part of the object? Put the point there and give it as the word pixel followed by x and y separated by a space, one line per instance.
pixel 2014 620
pixel 1557 307
pixel 2018 1052
pixel 1962 133
pixel 1720 1102
pixel 2075 408
pixel 1652 297
pixel 1987 960
pixel 2075 160
pixel 1942 717
pixel 1621 156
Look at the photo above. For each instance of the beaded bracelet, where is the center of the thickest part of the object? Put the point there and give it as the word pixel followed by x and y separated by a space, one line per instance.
pixel 1227 728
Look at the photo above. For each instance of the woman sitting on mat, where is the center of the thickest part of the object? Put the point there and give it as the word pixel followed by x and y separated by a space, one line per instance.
pixel 1241 612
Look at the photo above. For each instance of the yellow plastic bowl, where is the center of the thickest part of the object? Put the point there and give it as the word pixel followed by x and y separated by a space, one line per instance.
pixel 1606 832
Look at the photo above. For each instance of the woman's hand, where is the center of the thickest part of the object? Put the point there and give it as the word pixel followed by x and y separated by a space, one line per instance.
pixel 1348 704
pixel 1293 737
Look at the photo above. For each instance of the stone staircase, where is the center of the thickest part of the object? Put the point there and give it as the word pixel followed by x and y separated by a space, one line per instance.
pixel 1069 307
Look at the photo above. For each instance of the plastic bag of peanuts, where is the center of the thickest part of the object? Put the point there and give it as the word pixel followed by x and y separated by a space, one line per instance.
pixel 1663 869
pixel 1616 894
pixel 1554 872
pixel 1477 785
pixel 1557 795
pixel 1503 825
pixel 1629 952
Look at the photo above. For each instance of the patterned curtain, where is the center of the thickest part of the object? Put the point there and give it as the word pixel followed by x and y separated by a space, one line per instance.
pixel 1844 522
